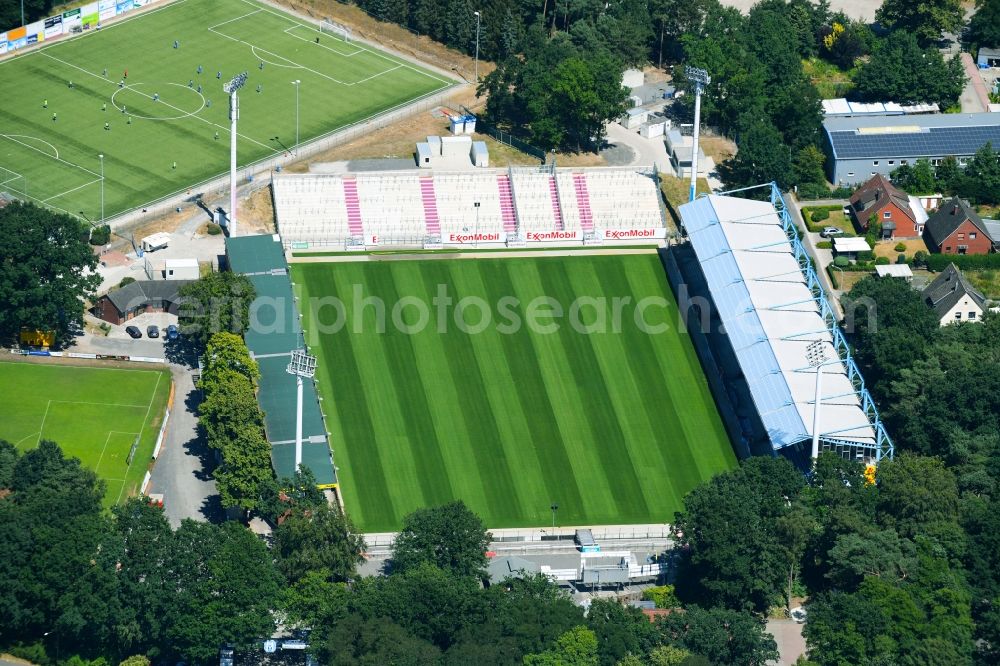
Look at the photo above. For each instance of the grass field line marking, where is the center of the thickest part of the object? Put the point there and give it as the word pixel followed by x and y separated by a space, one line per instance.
pixel 41 428
pixel 360 46
pixel 31 435
pixel 391 69
pixel 101 457
pixel 254 47
pixel 294 65
pixel 105 404
pixel 28 136
pixel 61 194
pixel 114 25
pixel 12 178
pixel 10 137
pixel 296 26
pixel 256 11
pixel 141 428
pixel 168 104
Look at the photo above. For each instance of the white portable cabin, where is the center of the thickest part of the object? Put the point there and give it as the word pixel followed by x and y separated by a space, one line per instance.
pixel 633 118
pixel 155 242
pixel 455 145
pixel 424 155
pixel 480 154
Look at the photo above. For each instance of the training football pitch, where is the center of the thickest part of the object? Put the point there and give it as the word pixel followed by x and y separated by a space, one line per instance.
pixel 94 414
pixel 167 125
pixel 613 423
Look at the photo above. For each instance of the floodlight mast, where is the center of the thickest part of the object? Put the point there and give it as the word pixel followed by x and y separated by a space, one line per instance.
pixel 231 89
pixel 301 365
pixel 700 78
pixel 816 355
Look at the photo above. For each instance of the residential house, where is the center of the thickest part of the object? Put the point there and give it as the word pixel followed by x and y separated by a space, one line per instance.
pixel 135 298
pixel 955 228
pixel 953 298
pixel 900 215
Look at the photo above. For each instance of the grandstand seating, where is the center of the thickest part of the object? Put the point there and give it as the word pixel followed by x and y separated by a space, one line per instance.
pixel 409 207
pixel 583 201
pixel 507 203
pixel 429 199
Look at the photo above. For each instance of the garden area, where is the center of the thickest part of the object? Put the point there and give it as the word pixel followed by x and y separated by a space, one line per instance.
pixel 818 218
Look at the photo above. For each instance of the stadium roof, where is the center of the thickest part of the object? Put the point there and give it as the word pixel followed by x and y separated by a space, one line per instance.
pixel 274 333
pixel 771 316
pixel 911 136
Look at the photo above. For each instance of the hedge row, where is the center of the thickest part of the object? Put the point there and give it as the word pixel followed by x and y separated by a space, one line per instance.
pixel 965 262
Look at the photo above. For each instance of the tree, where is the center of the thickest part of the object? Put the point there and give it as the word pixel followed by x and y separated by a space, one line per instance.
pixel 47 269
pixel 981 181
pixel 916 179
pixel 984 28
pixel 763 157
pixel 449 536
pixel 728 534
pixel 318 539
pixel 808 167
pixel 901 71
pixel 284 495
pixel 245 470
pixel 925 19
pixel 229 407
pixel 373 642
pixel 915 492
pixel 577 647
pixel 620 630
pixel 724 637
pixel 228 351
pixel 215 303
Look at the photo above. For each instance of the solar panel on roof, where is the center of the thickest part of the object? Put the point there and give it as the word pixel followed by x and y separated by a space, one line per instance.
pixel 937 141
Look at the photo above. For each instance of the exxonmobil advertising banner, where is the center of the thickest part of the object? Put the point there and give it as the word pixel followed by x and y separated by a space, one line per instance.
pixel 473 238
pixel 373 239
pixel 649 233
pixel 552 236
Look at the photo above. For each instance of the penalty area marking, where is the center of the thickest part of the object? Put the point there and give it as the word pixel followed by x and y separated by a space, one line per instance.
pixel 253 50
pixel 34 138
pixel 134 88
pixel 296 26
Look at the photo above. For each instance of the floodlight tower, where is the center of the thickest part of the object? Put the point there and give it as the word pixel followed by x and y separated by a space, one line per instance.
pixel 231 89
pixel 301 365
pixel 816 355
pixel 700 79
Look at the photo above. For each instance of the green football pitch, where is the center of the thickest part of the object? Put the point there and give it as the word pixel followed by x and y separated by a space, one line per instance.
pixel 612 422
pixel 94 414
pixel 51 133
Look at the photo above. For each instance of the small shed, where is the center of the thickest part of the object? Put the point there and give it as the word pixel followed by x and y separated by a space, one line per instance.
pixel 455 145
pixel 424 155
pixel 633 118
pixel 901 271
pixel 850 245
pixel 655 125
pixel 181 269
pixel 480 154
pixel 988 58
pixel 435 144
pixel 155 242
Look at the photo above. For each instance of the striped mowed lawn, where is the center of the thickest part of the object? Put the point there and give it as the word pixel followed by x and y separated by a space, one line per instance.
pixel 94 414
pixel 614 426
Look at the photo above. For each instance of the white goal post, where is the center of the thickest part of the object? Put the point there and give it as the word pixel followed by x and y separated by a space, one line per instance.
pixel 333 28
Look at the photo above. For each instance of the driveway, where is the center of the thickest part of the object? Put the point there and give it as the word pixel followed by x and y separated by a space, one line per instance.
pixel 975 98
pixel 646 152
pixel 821 258
pixel 791 645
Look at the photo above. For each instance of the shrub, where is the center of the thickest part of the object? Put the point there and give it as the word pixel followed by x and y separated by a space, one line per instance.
pixel 882 261
pixel 833 276
pixel 663 596
pixel 841 262
pixel 819 215
pixel 213 229
pixel 867 255
pixel 126 280
pixel 100 235
pixel 920 258
pixel 966 262
pixel 901 258
pixel 825 245
pixel 900 247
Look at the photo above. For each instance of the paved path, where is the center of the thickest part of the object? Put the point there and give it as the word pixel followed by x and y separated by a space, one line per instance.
pixel 855 9
pixel 821 258
pixel 975 98
pixel 182 472
pixel 791 645
pixel 646 152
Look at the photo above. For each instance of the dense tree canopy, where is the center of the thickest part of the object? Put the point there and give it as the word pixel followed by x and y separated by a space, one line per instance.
pixel 984 28
pixel 46 270
pixel 218 302
pixel 924 19
pixel 901 71
pixel 449 536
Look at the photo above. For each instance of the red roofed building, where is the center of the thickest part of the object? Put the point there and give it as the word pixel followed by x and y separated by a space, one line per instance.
pixel 900 215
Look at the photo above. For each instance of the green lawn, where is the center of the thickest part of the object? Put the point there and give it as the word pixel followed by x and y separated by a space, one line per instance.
pixel 55 161
pixel 94 414
pixel 613 426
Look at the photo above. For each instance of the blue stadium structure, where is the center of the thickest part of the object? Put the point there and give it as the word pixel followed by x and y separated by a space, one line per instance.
pixel 775 314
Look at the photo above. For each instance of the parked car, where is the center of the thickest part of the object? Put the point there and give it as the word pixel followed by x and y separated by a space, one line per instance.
pixel 798 614
pixel 133 331
pixel 172 333
pixel 153 331
pixel 830 232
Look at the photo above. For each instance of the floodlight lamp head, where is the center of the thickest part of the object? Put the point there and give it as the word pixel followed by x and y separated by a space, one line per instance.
pixel 302 364
pixel 816 353
pixel 697 75
pixel 236 83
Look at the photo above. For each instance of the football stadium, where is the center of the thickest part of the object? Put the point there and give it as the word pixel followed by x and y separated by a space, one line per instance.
pixel 101 123
pixel 109 418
